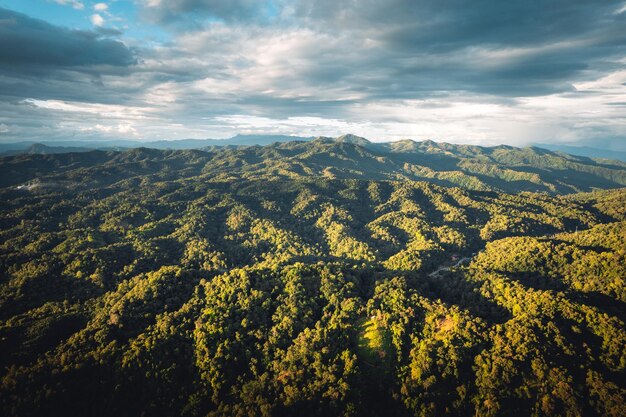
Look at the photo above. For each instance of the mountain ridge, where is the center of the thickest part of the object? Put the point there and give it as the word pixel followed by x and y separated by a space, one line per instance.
pixel 16 148
pixel 501 168
pixel 86 145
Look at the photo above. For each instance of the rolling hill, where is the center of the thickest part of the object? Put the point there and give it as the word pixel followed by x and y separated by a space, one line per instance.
pixel 313 278
pixel 501 168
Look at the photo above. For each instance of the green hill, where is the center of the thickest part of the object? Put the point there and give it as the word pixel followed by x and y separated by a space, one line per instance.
pixel 322 278
pixel 501 168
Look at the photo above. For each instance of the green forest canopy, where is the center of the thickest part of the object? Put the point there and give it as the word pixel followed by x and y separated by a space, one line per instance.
pixel 243 282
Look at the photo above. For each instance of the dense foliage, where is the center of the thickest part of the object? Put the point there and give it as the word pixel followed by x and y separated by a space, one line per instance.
pixel 131 288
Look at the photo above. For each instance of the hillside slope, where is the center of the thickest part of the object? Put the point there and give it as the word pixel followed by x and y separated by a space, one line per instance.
pixel 312 279
pixel 501 168
pixel 170 285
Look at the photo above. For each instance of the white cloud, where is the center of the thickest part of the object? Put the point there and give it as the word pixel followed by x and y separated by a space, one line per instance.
pixel 112 111
pixel 100 7
pixel 97 20
pixel 123 128
pixel 220 105
pixel 78 5
pixel 614 81
pixel 226 79
pixel 481 120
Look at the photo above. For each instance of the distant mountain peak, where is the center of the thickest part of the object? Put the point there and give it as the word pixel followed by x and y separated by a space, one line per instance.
pixel 37 148
pixel 350 138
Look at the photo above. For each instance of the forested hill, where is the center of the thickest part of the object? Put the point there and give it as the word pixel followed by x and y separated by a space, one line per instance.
pixel 312 279
pixel 501 168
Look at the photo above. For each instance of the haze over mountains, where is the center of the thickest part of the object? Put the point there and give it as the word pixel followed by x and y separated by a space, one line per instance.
pixel 85 145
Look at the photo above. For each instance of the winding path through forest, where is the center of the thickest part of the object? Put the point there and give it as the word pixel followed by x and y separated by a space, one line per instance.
pixel 447 268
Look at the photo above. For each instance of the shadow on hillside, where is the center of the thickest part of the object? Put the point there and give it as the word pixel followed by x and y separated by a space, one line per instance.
pixel 18 345
pixel 512 186
pixel 533 280
pixel 452 288
pixel 594 248
pixel 438 163
pixel 49 288
pixel 589 161
pixel 571 181
pixel 602 302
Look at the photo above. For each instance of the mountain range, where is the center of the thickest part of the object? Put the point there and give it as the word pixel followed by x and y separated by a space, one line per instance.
pixel 318 277
pixel 46 147
pixel 501 168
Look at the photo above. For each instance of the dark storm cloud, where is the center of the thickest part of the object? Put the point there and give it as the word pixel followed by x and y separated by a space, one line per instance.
pixel 437 25
pixel 175 11
pixel 429 46
pixel 422 48
pixel 27 42
pixel 43 61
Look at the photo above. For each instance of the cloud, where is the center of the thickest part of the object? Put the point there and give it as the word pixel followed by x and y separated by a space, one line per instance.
pixel 78 5
pixel 42 45
pixel 97 20
pixel 569 119
pixel 100 7
pixel 103 110
pixel 54 63
pixel 124 129
pixel 431 25
pixel 537 48
pixel 488 73
pixel 174 11
pixel 621 9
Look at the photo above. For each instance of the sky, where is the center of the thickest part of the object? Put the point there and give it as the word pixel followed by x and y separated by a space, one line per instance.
pixel 480 72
